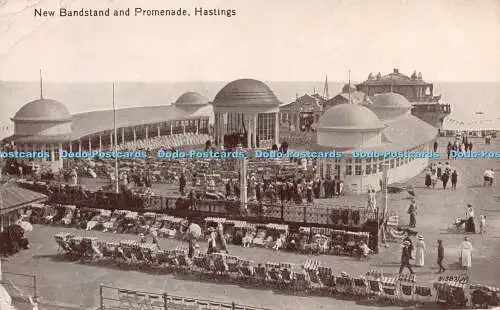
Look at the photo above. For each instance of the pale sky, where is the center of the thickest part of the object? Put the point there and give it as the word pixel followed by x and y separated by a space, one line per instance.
pixel 281 40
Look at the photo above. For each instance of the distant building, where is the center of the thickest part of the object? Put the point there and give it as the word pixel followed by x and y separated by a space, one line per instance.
pixel 302 113
pixel 354 95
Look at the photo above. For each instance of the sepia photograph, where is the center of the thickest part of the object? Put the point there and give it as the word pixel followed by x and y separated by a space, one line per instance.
pixel 250 155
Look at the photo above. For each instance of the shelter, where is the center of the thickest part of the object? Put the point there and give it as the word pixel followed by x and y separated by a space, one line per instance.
pixel 385 125
pixel 12 200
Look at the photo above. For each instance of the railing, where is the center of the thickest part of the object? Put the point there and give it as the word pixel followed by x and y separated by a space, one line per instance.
pixel 113 298
pixel 19 284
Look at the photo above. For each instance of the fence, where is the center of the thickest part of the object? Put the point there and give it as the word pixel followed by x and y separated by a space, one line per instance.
pixel 112 298
pixel 20 285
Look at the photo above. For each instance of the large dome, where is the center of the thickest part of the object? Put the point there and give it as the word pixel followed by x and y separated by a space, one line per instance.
pixel 245 92
pixel 391 100
pixel 191 98
pixel 43 110
pixel 350 116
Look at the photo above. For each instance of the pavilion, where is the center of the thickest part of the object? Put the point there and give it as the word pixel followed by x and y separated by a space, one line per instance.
pixel 246 113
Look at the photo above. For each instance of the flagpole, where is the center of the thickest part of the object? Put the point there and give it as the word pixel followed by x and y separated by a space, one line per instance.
pixel 117 188
pixel 349 87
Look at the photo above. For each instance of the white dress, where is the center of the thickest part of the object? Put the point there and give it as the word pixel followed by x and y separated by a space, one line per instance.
pixel 419 253
pixel 466 254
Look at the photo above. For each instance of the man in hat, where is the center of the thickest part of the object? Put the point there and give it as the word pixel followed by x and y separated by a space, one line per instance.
pixel 440 256
pixel 405 258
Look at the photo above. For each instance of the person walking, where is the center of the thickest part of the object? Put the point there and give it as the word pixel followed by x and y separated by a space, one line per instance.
pixel 454 179
pixel 405 258
pixel 440 256
pixel 420 251
pixel 412 211
pixel 445 177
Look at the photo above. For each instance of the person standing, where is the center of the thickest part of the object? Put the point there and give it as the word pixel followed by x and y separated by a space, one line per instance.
pixel 466 253
pixel 470 225
pixel 440 256
pixel 420 251
pixel 412 211
pixel 405 258
pixel 435 146
pixel 182 184
pixel 454 179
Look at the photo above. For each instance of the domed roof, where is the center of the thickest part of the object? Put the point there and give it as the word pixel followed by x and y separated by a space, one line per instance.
pixel 191 98
pixel 246 92
pixel 391 100
pixel 350 116
pixel 43 110
pixel 345 89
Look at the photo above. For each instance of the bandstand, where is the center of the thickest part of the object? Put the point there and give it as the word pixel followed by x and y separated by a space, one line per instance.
pixel 246 113
pixel 42 125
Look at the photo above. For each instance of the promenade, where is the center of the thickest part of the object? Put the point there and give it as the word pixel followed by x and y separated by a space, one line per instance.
pixel 77 284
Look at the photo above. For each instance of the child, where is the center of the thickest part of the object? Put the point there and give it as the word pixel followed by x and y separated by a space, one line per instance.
pixel 482 223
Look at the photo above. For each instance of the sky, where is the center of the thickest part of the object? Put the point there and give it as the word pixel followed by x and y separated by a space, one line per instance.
pixel 278 40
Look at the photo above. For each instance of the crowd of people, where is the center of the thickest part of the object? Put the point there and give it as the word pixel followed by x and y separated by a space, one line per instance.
pixel 439 172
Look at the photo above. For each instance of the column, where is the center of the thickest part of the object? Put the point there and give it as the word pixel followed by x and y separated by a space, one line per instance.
pixel 158 130
pixel 276 130
pixel 79 145
pixel 171 128
pixel 197 125
pixel 243 182
pixel 254 130
pixel 100 142
pixel 183 126
pixel 52 153
pixel 248 125
pixel 135 134
pixel 123 135
pixel 59 156
pixel 111 140
pixel 147 132
pixel 90 144
pixel 71 146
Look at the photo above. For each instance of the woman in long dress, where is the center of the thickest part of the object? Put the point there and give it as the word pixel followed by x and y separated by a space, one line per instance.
pixel 419 251
pixel 466 253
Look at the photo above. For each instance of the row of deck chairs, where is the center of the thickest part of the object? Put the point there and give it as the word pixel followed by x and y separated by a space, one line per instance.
pixel 311 277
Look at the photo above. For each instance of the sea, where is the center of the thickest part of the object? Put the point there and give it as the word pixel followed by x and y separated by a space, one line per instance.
pixel 466 99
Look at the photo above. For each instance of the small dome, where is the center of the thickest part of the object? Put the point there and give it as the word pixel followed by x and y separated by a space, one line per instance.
pixel 391 100
pixel 345 89
pixel 246 92
pixel 43 110
pixel 350 116
pixel 191 98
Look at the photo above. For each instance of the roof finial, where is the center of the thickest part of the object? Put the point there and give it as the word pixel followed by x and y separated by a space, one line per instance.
pixel 41 85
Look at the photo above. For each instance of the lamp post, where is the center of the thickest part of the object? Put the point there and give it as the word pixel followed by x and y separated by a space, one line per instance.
pixel 385 181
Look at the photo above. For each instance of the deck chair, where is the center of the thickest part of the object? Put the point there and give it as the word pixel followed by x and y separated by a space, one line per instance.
pixel 389 287
pixel 326 276
pixel 344 285
pixel 261 274
pixel 300 282
pixel 361 286
pixel 314 276
pixel 375 287
pixel 422 292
